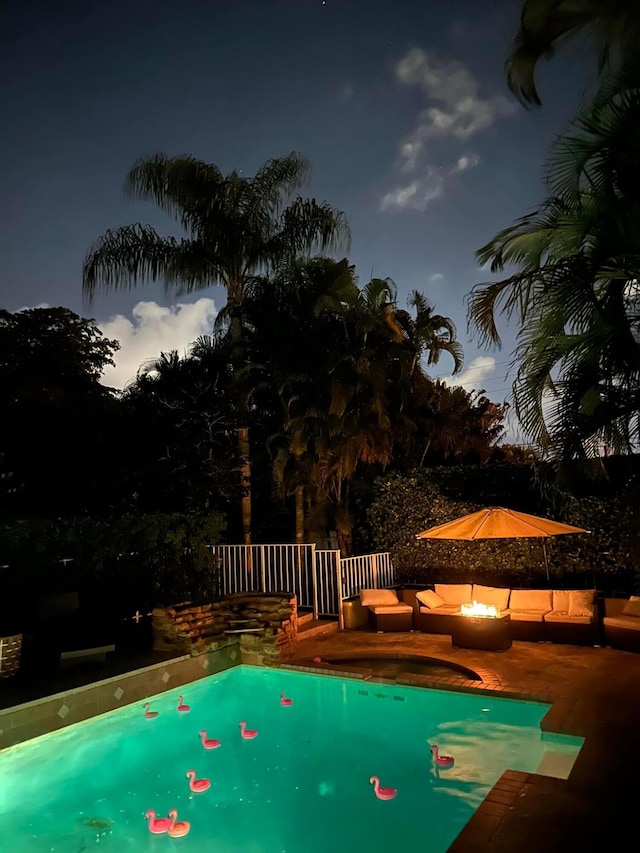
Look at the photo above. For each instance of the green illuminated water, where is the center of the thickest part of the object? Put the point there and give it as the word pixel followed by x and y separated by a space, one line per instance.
pixel 301 785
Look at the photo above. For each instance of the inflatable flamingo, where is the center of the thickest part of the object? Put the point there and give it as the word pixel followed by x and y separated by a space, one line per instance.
pixel 381 792
pixel 148 713
pixel 157 825
pixel 197 785
pixel 284 700
pixel 441 760
pixel 182 707
pixel 179 828
pixel 207 742
pixel 246 733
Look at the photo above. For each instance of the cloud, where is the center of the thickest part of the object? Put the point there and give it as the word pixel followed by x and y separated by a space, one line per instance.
pixel 436 278
pixel 471 378
pixel 459 110
pixel 426 186
pixel 456 112
pixel 154 329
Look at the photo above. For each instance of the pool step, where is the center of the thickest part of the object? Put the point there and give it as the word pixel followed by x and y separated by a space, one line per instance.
pixel 316 627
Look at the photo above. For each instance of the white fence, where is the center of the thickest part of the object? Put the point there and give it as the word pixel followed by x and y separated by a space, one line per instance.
pixel 321 580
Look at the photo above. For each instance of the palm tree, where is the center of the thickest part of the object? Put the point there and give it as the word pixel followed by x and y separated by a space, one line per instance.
pixel 235 228
pixel 613 24
pixel 341 404
pixel 576 293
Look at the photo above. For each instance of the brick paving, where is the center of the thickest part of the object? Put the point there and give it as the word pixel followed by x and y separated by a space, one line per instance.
pixel 594 693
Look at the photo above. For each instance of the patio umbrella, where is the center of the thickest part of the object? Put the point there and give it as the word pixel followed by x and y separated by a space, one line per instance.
pixel 500 523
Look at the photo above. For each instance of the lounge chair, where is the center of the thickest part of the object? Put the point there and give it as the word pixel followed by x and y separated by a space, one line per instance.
pixel 386 611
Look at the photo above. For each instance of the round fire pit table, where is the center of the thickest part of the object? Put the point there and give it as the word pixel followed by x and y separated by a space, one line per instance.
pixel 488 633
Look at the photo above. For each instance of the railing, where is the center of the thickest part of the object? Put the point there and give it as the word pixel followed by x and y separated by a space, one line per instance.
pixel 267 568
pixel 371 571
pixel 321 580
pixel 328 583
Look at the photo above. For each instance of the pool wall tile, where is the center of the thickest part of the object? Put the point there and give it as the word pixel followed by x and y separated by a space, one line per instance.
pixel 39 717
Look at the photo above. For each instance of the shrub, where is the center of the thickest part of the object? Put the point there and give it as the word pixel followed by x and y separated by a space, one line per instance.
pixel 122 564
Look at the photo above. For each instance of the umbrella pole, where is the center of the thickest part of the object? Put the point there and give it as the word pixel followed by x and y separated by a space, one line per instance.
pixel 546 560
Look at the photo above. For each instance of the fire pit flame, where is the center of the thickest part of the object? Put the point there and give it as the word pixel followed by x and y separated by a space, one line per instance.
pixel 485 611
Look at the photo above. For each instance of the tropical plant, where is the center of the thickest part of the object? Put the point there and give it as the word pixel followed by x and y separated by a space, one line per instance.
pixel 236 228
pixel 614 26
pixel 576 294
pixel 342 404
pixel 181 425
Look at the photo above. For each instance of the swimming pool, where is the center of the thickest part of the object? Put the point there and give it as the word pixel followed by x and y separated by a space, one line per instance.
pixel 301 785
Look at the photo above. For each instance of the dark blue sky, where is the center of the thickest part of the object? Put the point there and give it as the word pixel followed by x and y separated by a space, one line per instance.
pixel 89 87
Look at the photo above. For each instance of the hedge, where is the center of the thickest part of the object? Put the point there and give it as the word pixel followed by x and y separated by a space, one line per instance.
pixel 406 504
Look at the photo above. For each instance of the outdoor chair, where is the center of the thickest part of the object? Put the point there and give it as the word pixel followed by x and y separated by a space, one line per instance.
pixel 621 623
pixel 386 612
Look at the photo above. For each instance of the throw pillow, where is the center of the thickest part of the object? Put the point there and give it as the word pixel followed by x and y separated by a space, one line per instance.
pixel 377 597
pixel 581 602
pixel 429 598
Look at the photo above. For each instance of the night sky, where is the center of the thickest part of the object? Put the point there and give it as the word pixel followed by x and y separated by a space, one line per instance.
pixel 402 108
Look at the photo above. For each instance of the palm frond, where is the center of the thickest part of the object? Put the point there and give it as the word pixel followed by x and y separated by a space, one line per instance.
pixel 135 254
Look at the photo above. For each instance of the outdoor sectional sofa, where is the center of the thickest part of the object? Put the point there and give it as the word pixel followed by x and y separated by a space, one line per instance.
pixel 559 616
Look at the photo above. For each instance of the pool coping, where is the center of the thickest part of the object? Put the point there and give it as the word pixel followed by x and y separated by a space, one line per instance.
pixel 47 714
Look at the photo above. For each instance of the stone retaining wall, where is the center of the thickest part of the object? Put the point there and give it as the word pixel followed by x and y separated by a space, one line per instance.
pixel 266 624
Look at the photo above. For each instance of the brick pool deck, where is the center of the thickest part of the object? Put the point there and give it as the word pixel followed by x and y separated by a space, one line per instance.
pixel 594 693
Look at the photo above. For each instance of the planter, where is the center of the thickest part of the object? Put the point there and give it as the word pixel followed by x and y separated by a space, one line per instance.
pixel 10 649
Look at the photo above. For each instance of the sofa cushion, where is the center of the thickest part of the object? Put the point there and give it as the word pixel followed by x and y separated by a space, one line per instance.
pixel 632 607
pixel 563 616
pixel 429 598
pixel 388 609
pixel 454 593
pixel 632 623
pixel 580 602
pixel 528 615
pixel 531 599
pixel 378 597
pixel 492 595
pixel 561 598
pixel 443 610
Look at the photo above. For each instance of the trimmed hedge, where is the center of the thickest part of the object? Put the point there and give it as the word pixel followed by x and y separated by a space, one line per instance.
pixel 406 504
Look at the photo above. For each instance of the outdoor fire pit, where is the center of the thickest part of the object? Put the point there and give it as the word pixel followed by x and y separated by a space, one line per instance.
pixel 481 626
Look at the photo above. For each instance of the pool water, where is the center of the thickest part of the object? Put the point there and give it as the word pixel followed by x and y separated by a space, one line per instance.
pixel 301 785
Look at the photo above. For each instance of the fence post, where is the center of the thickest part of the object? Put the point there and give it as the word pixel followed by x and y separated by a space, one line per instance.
pixel 374 570
pixel 263 578
pixel 314 578
pixel 339 591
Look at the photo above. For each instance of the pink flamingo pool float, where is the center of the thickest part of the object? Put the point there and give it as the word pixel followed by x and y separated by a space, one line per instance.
pixel 284 700
pixel 149 714
pixel 182 707
pixel 441 760
pixel 197 785
pixel 157 825
pixel 177 829
pixel 208 742
pixel 381 792
pixel 247 734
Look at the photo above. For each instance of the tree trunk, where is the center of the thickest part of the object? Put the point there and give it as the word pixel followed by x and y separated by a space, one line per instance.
pixel 245 479
pixel 234 297
pixel 299 514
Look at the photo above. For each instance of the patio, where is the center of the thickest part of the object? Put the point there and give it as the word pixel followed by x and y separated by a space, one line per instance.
pixel 595 693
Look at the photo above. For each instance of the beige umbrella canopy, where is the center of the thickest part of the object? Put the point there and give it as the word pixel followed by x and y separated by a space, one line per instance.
pixel 500 523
